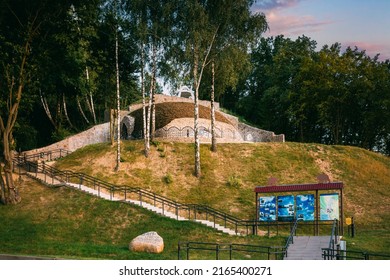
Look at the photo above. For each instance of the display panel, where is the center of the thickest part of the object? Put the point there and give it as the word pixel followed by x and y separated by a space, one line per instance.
pixel 329 207
pixel 267 208
pixel 286 208
pixel 305 207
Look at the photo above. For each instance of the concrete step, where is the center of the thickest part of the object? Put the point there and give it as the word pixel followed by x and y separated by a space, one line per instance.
pixel 307 248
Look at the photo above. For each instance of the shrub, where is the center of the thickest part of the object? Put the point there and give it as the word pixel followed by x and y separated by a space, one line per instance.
pixel 168 179
pixel 234 181
pixel 130 148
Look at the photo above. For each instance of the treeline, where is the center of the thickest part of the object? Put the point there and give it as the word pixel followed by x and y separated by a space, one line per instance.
pixel 65 56
pixel 331 95
pixel 69 78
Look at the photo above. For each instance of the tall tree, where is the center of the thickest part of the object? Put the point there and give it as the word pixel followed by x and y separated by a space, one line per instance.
pixel 21 22
pixel 207 28
pixel 118 109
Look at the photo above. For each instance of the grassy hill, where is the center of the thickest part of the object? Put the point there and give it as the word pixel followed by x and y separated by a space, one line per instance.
pixel 51 217
pixel 65 223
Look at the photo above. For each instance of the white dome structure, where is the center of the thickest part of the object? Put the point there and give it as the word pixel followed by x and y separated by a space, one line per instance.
pixel 185 92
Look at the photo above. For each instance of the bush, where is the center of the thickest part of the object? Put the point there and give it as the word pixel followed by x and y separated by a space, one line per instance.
pixel 130 148
pixel 234 181
pixel 60 134
pixel 168 179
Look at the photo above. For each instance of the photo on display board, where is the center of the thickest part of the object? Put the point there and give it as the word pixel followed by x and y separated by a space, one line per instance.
pixel 267 208
pixel 305 207
pixel 286 208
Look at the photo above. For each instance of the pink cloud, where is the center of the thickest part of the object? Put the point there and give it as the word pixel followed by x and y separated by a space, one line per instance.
pixel 293 25
pixel 371 49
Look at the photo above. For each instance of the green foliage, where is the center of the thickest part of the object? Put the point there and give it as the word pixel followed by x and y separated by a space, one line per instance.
pixel 60 134
pixel 130 148
pixel 168 179
pixel 234 181
pixel 327 96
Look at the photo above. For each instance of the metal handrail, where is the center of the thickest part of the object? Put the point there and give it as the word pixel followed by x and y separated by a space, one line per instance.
pixel 65 176
pixel 330 253
pixel 290 239
pixel 354 255
pixel 268 251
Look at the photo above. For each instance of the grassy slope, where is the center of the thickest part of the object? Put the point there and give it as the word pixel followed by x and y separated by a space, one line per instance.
pixel 60 222
pixel 230 175
pixel 69 224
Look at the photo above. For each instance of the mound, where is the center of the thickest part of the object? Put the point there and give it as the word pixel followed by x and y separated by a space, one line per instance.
pixel 169 111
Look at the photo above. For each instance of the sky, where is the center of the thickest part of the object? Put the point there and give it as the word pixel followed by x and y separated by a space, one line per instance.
pixel 361 23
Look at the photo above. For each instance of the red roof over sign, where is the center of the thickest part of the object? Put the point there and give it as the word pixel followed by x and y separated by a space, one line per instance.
pixel 300 187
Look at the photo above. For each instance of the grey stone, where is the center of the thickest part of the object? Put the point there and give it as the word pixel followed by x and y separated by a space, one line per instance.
pixel 149 242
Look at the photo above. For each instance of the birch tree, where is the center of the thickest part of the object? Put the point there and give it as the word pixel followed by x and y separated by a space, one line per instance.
pixel 206 28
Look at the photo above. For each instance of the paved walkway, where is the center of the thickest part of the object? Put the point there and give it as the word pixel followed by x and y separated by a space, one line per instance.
pixel 307 248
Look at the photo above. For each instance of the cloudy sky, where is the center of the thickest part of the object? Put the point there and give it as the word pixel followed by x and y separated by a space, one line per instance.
pixel 361 23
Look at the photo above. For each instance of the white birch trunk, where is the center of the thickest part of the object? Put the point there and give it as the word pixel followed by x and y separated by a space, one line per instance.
pixel 213 136
pixel 148 121
pixel 118 117
pixel 153 91
pixel 91 107
pixel 196 116
pixel 146 150
pixel 66 111
pixel 197 81
pixel 47 110
pixel 81 109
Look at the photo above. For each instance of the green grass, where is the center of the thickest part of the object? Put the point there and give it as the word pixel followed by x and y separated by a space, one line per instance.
pixel 230 175
pixel 227 183
pixel 64 223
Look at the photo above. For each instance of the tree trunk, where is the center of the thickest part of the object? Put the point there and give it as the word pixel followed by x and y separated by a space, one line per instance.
pixel 9 193
pixel 213 136
pixel 81 109
pixel 153 92
pixel 148 120
pixel 2 185
pixel 66 111
pixel 118 115
pixel 196 115
pixel 146 149
pixel 91 107
pixel 197 81
pixel 47 111
pixel 112 126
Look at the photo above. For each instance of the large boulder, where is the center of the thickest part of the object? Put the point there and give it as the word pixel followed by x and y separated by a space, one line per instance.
pixel 149 242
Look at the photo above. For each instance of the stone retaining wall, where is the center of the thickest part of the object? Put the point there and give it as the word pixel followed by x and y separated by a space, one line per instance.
pixel 97 134
pixel 253 134
pixel 184 128
pixel 234 132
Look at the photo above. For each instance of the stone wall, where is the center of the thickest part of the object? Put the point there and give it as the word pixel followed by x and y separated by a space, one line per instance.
pixel 97 134
pixel 184 128
pixel 179 128
pixel 253 134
